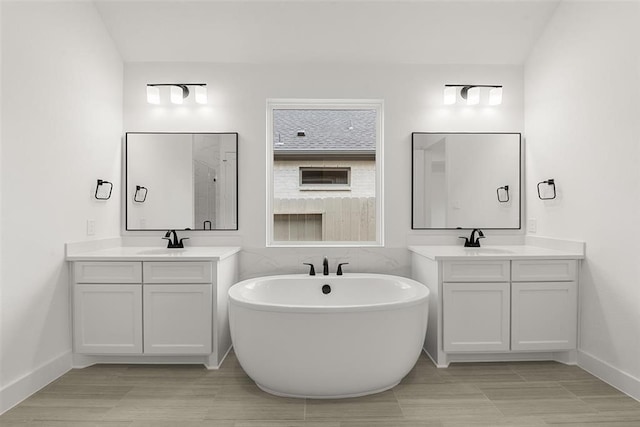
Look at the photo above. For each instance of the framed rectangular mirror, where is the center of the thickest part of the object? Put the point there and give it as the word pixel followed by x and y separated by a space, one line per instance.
pixel 466 180
pixel 181 181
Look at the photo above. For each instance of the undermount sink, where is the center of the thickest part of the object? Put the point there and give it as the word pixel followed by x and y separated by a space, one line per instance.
pixel 488 251
pixel 161 251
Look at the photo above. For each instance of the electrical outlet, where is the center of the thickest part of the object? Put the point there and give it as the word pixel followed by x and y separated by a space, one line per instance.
pixel 532 226
pixel 91 227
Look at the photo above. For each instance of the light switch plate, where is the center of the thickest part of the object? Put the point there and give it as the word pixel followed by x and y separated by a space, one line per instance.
pixel 91 227
pixel 532 226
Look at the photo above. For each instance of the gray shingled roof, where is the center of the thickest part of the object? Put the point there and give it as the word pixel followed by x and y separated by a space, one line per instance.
pixel 325 130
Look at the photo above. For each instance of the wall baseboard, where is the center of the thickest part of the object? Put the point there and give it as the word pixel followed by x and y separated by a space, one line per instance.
pixel 81 361
pixel 20 389
pixel 613 376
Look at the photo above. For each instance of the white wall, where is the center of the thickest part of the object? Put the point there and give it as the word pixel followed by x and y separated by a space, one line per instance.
pixel 582 84
pixel 237 102
pixel 62 128
pixel 1 259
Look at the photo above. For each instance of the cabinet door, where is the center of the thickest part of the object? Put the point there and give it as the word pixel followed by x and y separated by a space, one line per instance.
pixel 107 319
pixel 476 317
pixel 177 319
pixel 544 315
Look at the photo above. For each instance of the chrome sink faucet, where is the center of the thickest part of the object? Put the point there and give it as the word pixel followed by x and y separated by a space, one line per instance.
pixel 175 244
pixel 472 241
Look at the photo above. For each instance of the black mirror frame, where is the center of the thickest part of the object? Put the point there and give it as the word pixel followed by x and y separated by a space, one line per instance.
pixel 126 183
pixel 520 179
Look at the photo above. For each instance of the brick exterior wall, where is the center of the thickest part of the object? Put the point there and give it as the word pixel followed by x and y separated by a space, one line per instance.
pixel 286 178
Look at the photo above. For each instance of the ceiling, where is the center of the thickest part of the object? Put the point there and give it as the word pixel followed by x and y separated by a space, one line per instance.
pixel 310 31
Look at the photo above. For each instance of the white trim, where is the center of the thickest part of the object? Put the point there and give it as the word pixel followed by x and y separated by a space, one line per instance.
pixel 20 389
pixel 323 186
pixel 561 357
pixel 85 360
pixel 323 104
pixel 213 367
pixel 613 376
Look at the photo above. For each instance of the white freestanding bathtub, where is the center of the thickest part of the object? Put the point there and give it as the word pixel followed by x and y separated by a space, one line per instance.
pixel 328 336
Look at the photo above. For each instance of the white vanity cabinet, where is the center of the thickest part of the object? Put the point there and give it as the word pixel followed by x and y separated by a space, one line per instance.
pixel 513 314
pixel 177 307
pixel 168 310
pixel 498 307
pixel 475 305
pixel 544 312
pixel 143 309
pixel 107 309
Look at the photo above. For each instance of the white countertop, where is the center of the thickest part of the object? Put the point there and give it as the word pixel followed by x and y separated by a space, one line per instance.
pixel 438 253
pixel 137 253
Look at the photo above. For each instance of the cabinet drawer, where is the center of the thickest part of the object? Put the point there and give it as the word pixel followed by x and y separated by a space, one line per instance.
pixel 543 270
pixel 107 272
pixel 177 272
pixel 475 271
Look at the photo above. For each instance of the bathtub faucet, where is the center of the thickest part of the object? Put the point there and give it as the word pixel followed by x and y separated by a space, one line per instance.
pixel 312 270
pixel 325 267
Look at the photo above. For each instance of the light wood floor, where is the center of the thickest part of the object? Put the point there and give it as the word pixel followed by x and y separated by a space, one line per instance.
pixel 478 394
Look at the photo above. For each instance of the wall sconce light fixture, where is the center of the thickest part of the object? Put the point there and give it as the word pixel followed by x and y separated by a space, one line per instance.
pixel 178 92
pixel 471 94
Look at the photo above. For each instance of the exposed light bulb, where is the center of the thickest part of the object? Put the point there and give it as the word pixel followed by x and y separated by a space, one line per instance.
pixel 473 95
pixel 153 95
pixel 495 96
pixel 177 94
pixel 201 94
pixel 450 93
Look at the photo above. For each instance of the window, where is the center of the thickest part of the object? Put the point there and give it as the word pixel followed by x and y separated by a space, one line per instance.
pixel 325 178
pixel 324 173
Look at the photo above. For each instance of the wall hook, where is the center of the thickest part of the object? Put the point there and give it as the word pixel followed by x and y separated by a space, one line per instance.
pixel 550 182
pixel 505 194
pixel 103 190
pixel 141 194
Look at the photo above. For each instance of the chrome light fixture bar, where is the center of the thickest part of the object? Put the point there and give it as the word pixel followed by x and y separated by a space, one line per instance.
pixel 178 92
pixel 471 94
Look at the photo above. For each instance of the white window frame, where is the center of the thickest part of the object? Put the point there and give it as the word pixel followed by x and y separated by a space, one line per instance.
pixel 324 187
pixel 327 104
